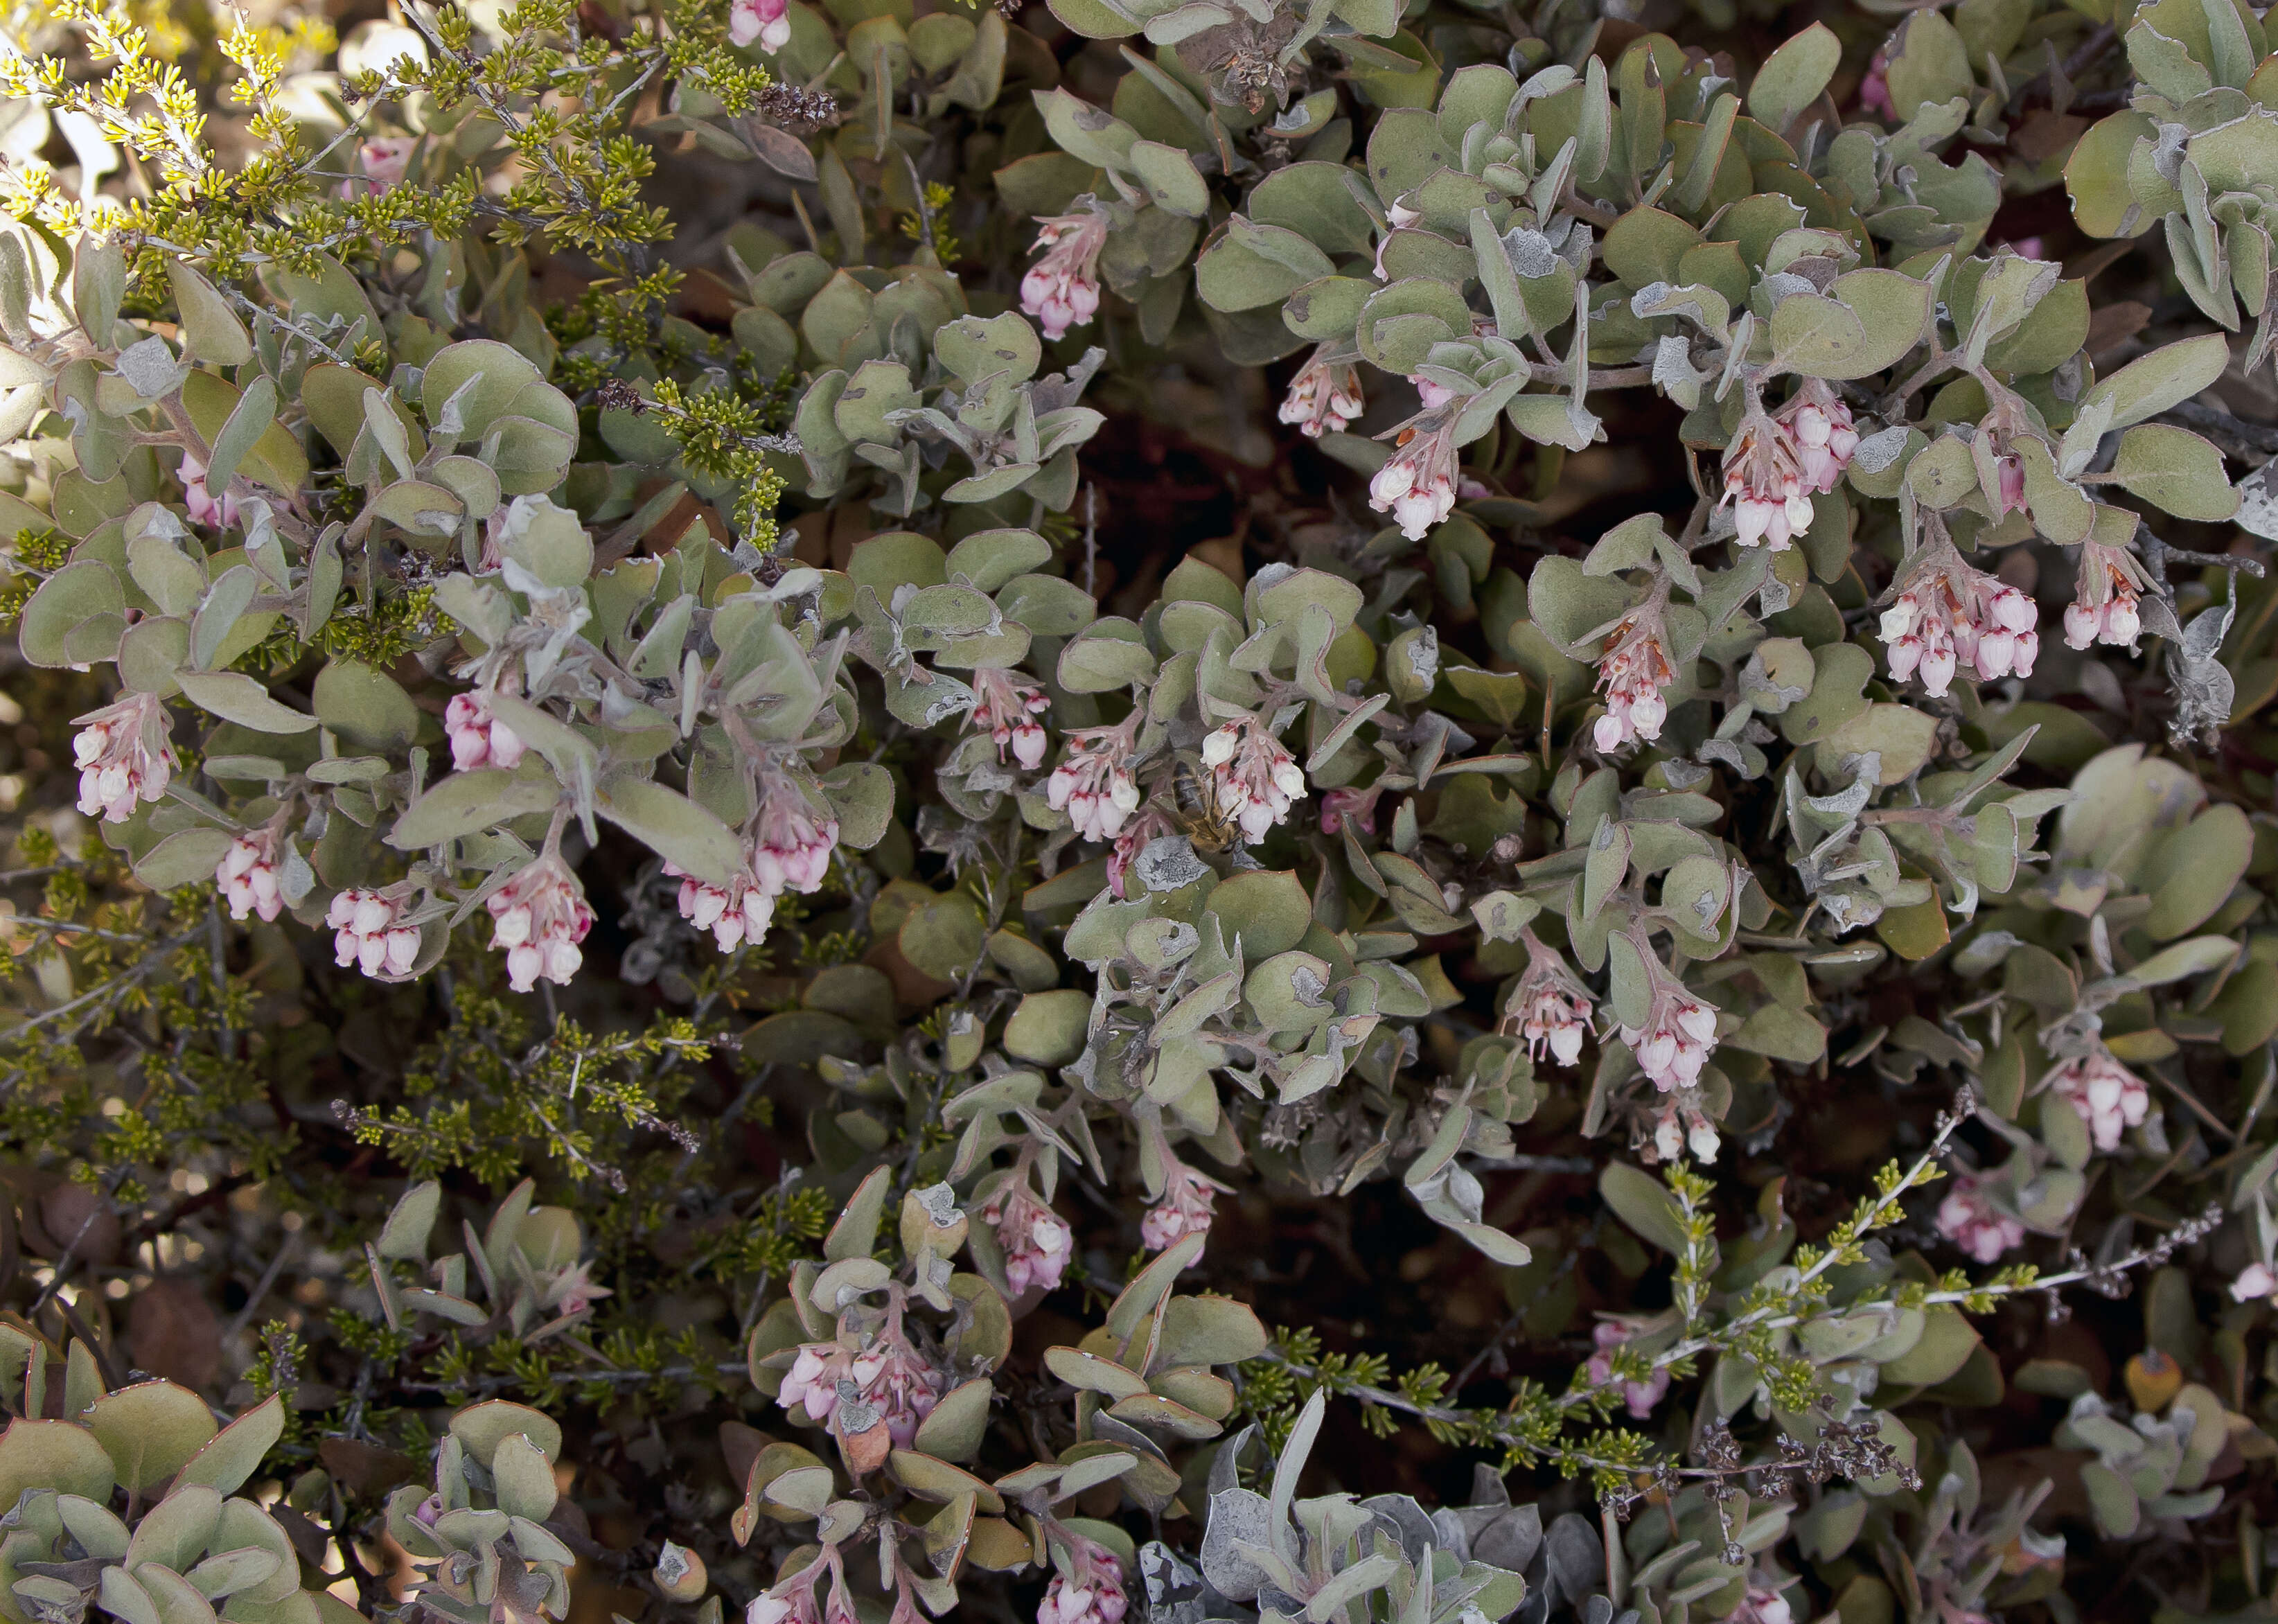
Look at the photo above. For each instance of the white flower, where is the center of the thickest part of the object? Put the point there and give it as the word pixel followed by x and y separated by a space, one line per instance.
pixel 1061 290
pixel 247 877
pixel 123 756
pixel 1633 670
pixel 1093 784
pixel 1323 397
pixel 2107 598
pixel 2109 1098
pixel 1949 616
pixel 538 917
pixel 1006 709
pixel 1969 1218
pixel 369 931
pixel 1417 486
pixel 1254 779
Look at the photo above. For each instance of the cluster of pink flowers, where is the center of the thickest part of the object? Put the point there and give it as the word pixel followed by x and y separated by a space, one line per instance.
pixel 369 932
pixel 1673 1044
pixel 2105 597
pixel 247 877
pixel 1416 485
pixel 1036 1243
pixel 1093 782
pixel 1007 711
pixel 1092 1593
pixel 792 842
pixel 1776 462
pixel 479 739
pixel 1184 1210
pixel 1061 290
pixel 738 914
pixel 1949 615
pixel 2110 1098
pixel 1969 1219
pixel 540 916
pixel 1323 398
pixel 766 21
pixel 205 507
pixel 1549 1009
pixel 123 756
pixel 1640 1397
pixel 1254 779
pixel 889 1376
pixel 1633 671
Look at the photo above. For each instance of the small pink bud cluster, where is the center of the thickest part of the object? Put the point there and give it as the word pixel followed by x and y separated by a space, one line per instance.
pixel 1036 1243
pixel 1254 779
pixel 248 878
pixel 1824 435
pixel 2256 1283
pixel 1640 1397
pixel 1673 1044
pixel 1184 1210
pixel 1416 485
pixel 205 508
pixel 123 755
pixel 1093 782
pixel 2110 1098
pixel 1950 616
pixel 540 916
pixel 766 21
pixel 738 914
pixel 479 739
pixel 1969 1219
pixel 902 1385
pixel 2106 599
pixel 1007 711
pixel 369 932
pixel 1350 808
pixel 1875 89
pixel 1633 670
pixel 1061 290
pixel 792 842
pixel 1093 1594
pixel 1323 397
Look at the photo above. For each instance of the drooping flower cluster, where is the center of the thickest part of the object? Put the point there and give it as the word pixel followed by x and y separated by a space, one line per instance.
pixel 205 507
pixel 2106 595
pixel 1549 1009
pixel 1036 1243
pixel 1948 615
pixel 1093 782
pixel 1416 485
pixel 1006 710
pixel 540 916
pixel 1770 470
pixel 1638 1397
pixel 791 841
pixel 1061 290
pixel 1633 671
pixel 123 756
pixel 1183 1210
pixel 1824 432
pixel 1970 1218
pixel 247 877
pixel 369 932
pixel 737 914
pixel 766 21
pixel 1089 1591
pixel 479 739
pixel 1254 780
pixel 886 1385
pixel 1324 398
pixel 1679 1030
pixel 2110 1098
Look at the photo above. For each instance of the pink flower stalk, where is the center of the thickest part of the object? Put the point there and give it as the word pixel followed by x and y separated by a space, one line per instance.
pixel 123 756
pixel 1875 89
pixel 479 739
pixel 247 876
pixel 1765 480
pixel 1356 808
pixel 903 1386
pixel 738 914
pixel 1640 1397
pixel 1090 1590
pixel 1183 1210
pixel 2110 1098
pixel 1093 782
pixel 1005 709
pixel 790 841
pixel 1254 779
pixel 1949 616
pixel 1549 1009
pixel 1633 670
pixel 1061 290
pixel 811 1384
pixel 1037 1244
pixel 2106 594
pixel 1969 1219
pixel 1820 428
pixel 369 932
pixel 384 158
pixel 540 918
pixel 1418 485
pixel 1323 398
pixel 205 508
pixel 2256 1283
pixel 1152 824
pixel 766 21
pixel 1678 1033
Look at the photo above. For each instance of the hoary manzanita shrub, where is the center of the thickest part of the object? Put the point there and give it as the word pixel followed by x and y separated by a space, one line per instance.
pixel 1904 740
